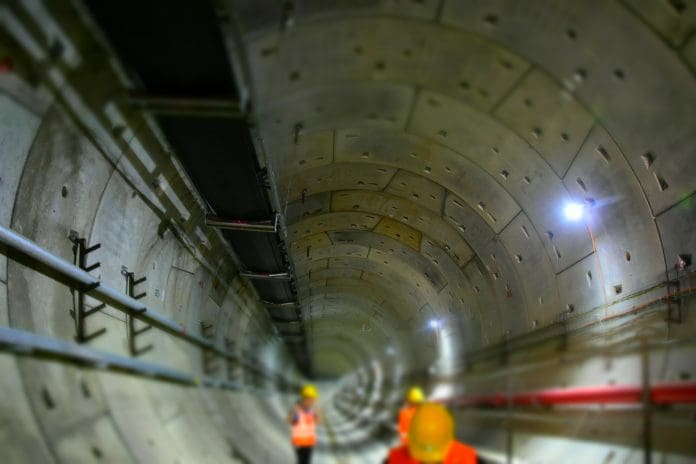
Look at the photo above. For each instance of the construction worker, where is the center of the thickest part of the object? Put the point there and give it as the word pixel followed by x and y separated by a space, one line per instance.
pixel 414 397
pixel 304 418
pixel 431 440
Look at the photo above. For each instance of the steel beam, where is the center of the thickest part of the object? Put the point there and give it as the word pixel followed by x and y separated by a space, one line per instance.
pixel 266 275
pixel 182 106
pixel 269 226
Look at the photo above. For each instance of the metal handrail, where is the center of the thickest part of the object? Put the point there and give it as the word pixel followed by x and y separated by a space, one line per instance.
pixel 98 290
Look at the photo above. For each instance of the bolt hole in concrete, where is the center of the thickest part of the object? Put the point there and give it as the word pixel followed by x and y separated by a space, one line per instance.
pixel 64 191
pixel 85 389
pixel 618 289
pixel 491 19
pixel 47 398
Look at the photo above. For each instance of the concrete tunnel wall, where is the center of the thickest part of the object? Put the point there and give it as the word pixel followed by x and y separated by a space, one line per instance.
pixel 383 241
pixel 55 181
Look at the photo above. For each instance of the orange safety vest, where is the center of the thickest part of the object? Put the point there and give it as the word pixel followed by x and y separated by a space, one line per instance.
pixel 405 416
pixel 458 453
pixel 304 430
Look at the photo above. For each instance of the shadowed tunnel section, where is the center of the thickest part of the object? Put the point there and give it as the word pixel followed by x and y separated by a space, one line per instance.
pixel 413 161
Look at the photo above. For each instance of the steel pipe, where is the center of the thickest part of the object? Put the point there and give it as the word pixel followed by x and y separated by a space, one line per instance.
pixel 24 343
pixel 103 292
pixel 666 393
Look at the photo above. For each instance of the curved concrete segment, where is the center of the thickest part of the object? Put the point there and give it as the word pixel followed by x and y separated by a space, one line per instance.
pixel 421 156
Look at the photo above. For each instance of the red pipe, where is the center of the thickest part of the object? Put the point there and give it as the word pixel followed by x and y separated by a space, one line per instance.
pixel 666 393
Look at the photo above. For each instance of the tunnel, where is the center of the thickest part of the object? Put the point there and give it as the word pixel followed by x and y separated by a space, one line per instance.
pixel 206 205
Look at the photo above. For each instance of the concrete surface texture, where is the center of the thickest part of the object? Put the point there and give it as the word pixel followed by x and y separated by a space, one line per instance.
pixel 425 152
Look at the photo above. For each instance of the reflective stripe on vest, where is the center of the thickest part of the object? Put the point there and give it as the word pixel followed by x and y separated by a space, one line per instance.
pixel 304 431
pixel 405 416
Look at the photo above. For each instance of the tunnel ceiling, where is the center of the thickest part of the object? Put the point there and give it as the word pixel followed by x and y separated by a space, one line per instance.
pixel 426 148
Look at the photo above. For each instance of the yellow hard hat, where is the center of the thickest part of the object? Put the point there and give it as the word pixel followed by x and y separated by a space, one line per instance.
pixel 431 433
pixel 309 391
pixel 415 395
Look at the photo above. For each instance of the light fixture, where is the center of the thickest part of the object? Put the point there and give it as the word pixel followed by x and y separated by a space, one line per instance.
pixel 434 323
pixel 390 350
pixel 574 211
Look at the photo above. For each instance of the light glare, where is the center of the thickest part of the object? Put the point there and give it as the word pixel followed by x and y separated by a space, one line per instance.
pixel 574 211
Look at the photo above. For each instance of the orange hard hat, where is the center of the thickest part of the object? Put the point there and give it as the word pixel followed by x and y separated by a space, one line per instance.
pixel 431 433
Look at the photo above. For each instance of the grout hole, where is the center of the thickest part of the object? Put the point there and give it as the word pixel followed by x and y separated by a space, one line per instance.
pixel 581 184
pixel 380 65
pixel 527 180
pixel 619 74
pixel 564 136
pixel 64 191
pixel 588 274
pixel 627 255
pixel 504 174
pixel 47 398
pixel 464 85
pixel 570 308
pixel 558 253
pixel 85 389
pixel 648 159
pixel 358 50
pixel 603 153
pixel 571 34
pixel 518 258
pixel 525 231
pixel 580 74
pixel 618 289
pixel 96 452
pixel 536 132
pixel 491 19
pixel 661 182
pixel 294 76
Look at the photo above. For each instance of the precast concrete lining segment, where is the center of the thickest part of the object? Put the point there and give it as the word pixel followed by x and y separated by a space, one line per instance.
pixel 633 101
pixel 343 176
pixel 430 158
pixel 418 53
pixel 379 104
pixel 431 226
pixel 264 15
pixel 625 234
pixel 537 278
pixel 531 182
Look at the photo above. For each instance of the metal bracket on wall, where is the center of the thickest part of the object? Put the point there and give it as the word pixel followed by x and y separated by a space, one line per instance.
pixel 80 311
pixel 674 295
pixel 133 330
pixel 269 225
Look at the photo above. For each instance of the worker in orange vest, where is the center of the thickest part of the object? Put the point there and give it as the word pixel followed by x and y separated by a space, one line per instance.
pixel 304 419
pixel 414 397
pixel 431 440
